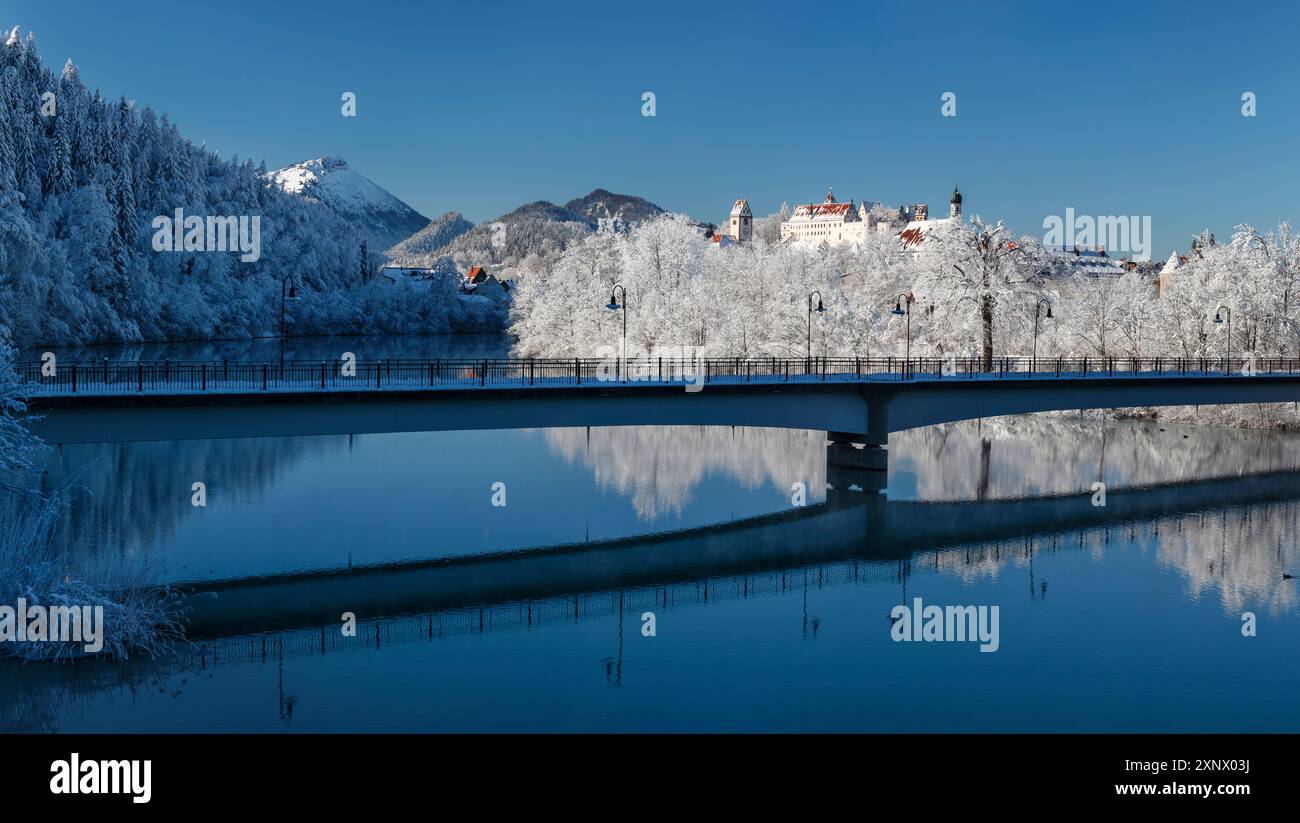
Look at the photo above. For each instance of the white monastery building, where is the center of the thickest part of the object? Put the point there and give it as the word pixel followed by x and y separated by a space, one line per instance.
pixel 837 223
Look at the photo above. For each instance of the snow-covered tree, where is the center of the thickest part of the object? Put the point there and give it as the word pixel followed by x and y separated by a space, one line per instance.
pixel 79 191
pixel 977 272
pixel 17 445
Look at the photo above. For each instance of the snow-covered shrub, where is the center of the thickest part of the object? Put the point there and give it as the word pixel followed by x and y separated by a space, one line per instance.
pixel 137 618
pixel 34 566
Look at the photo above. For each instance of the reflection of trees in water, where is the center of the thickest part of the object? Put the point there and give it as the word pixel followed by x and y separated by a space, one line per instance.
pixel 1240 552
pixel 126 498
pixel 1030 456
pixel 1249 415
pixel 41 697
pixel 660 466
pixel 130 497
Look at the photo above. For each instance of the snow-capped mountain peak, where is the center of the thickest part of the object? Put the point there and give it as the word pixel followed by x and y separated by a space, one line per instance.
pixel 379 216
pixel 304 176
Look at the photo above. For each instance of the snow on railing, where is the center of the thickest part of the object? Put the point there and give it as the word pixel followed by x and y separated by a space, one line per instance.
pixel 184 377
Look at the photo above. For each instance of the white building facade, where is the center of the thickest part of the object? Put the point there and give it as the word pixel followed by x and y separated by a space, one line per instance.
pixel 837 223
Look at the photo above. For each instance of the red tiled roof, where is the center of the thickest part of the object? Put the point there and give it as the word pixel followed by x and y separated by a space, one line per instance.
pixel 815 210
pixel 912 236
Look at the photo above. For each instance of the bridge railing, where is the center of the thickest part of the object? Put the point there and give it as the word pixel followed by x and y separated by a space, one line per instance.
pixel 168 376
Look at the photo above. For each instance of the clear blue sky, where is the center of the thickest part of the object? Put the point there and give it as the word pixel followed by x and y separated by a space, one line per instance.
pixel 1106 107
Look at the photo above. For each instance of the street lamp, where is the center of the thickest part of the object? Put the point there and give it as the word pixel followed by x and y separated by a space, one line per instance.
pixel 614 305
pixel 905 312
pixel 288 291
pixel 1038 311
pixel 1218 318
pixel 820 310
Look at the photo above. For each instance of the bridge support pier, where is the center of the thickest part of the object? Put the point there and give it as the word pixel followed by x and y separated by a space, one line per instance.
pixel 876 430
pixel 858 462
pixel 853 470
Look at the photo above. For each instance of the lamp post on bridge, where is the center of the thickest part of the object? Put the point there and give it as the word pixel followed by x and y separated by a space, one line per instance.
pixel 1038 310
pixel 820 310
pixel 1218 318
pixel 614 305
pixel 288 291
pixel 905 312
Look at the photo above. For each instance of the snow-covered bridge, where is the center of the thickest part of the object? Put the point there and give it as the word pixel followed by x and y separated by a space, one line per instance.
pixel 854 400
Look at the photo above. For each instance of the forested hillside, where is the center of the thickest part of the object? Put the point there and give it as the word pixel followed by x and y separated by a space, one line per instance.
pixel 82 179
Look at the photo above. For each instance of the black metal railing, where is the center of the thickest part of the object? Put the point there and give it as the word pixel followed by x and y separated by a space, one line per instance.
pixel 167 376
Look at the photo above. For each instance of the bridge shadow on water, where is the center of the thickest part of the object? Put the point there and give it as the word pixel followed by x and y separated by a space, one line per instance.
pixel 1235 533
pixel 855 536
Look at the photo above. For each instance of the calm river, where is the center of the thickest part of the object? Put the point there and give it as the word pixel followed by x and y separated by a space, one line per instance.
pixel 507 580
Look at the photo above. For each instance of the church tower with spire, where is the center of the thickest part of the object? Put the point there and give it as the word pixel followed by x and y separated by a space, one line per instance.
pixel 954 204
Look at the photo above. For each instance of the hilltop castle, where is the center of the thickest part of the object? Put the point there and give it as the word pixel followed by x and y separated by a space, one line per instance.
pixel 841 223
pixel 836 223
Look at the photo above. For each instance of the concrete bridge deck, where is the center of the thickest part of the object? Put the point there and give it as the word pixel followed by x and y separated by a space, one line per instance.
pixel 855 400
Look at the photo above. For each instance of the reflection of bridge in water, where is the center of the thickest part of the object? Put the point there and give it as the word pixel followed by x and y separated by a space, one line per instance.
pixel 851 537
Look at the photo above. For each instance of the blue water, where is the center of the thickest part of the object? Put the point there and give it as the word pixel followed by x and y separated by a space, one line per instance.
pixel 1131 625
